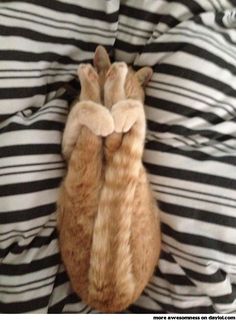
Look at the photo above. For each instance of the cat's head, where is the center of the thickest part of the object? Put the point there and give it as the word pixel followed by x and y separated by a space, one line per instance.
pixel 135 80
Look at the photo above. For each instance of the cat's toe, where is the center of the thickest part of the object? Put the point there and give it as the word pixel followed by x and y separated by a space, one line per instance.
pixel 66 151
pixel 81 70
pixel 86 71
pixel 117 70
pixel 129 122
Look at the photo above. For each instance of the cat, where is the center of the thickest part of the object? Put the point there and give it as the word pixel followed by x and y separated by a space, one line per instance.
pixel 108 221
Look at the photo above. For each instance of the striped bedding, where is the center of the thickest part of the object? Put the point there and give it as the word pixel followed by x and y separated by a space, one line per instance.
pixel 190 150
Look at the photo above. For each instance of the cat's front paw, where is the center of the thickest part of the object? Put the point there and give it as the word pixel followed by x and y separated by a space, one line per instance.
pixel 101 123
pixel 104 125
pixel 125 114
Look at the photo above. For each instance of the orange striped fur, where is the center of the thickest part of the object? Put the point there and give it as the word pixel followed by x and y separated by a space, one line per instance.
pixel 108 221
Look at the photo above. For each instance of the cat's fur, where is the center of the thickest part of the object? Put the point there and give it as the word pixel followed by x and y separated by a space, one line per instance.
pixel 107 218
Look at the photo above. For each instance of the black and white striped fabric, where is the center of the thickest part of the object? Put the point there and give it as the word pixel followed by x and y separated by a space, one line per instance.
pixel 190 151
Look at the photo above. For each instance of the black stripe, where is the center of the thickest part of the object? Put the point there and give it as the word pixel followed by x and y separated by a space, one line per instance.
pixel 199 240
pixel 191 261
pixel 174 309
pixel 204 258
pixel 132 27
pixel 37 242
pixel 39 76
pixel 192 176
pixel 217 277
pixel 42 37
pixel 217 103
pixel 141 310
pixel 174 278
pixel 219 18
pixel 214 144
pixel 144 15
pixel 199 215
pixel 187 132
pixel 172 292
pixel 24 92
pixel 181 109
pixel 32 164
pixel 50 19
pixel 198 77
pixel 28 290
pixel 60 279
pixel 189 96
pixel 34 171
pixel 14 55
pixel 71 8
pixel 192 310
pixel 156 290
pixel 22 232
pixel 27 214
pixel 178 195
pixel 38 111
pixel 40 124
pixel 167 257
pixel 70 299
pixel 227 298
pixel 121 30
pixel 128 47
pixel 199 192
pixel 25 306
pixel 18 285
pixel 198 21
pixel 65 70
pixel 38 116
pixel 200 52
pixel 193 154
pixel 93 33
pixel 38 149
pixel 29 187
pixel 222 31
pixel 192 6
pixel 10 55
pixel 30 267
pixel 64 22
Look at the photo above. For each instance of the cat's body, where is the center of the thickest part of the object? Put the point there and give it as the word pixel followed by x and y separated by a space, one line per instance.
pixel 108 220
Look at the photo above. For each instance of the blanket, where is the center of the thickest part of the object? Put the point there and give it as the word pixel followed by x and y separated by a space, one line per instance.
pixel 190 150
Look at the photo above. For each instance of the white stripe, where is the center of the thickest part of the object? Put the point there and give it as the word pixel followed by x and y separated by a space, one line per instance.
pixel 27 201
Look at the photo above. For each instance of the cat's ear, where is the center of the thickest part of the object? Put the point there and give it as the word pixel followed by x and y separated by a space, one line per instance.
pixel 101 59
pixel 144 75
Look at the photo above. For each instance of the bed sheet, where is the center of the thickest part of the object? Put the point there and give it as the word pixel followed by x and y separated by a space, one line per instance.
pixel 190 148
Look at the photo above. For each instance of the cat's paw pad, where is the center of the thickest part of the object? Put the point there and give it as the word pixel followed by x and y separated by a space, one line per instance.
pixel 118 70
pixel 87 72
pixel 125 114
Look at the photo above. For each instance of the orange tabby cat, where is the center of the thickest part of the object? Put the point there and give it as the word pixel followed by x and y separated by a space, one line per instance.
pixel 108 220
